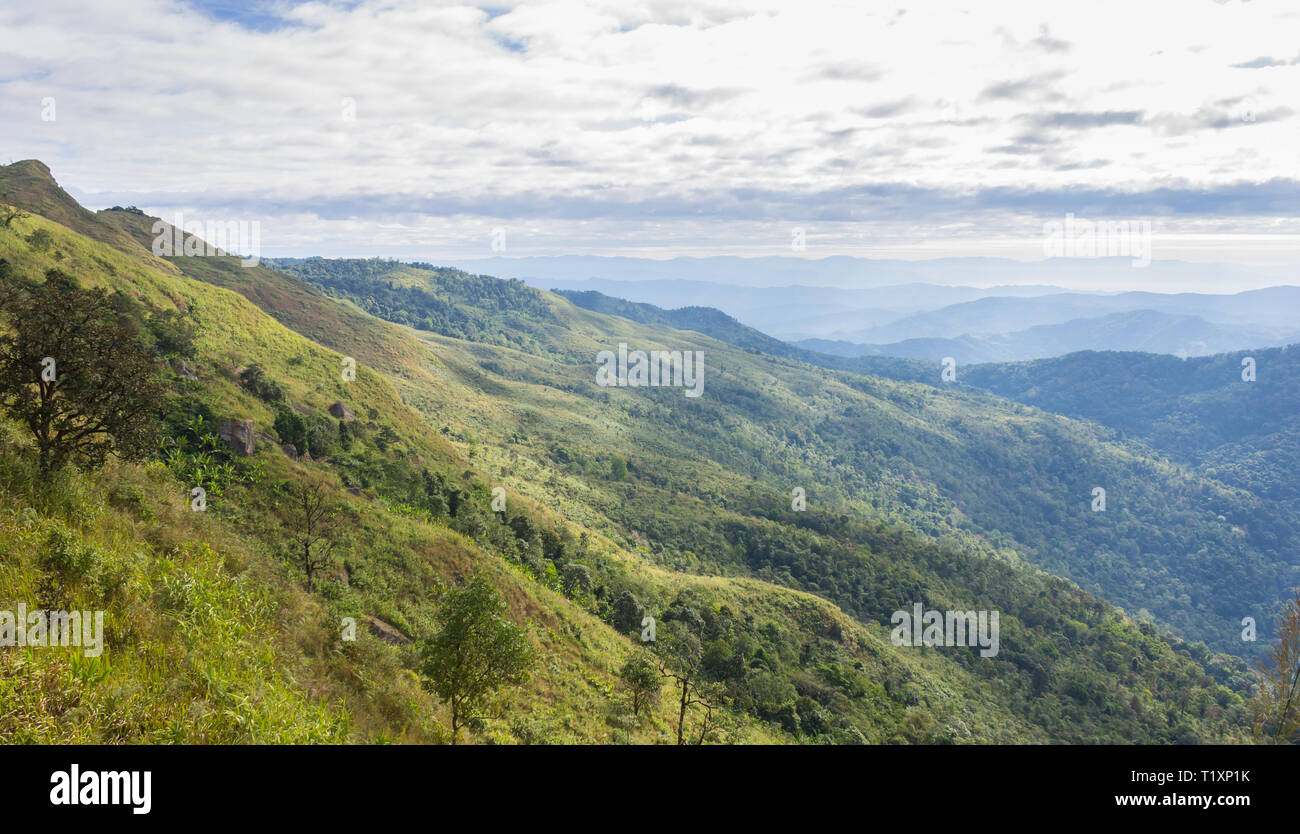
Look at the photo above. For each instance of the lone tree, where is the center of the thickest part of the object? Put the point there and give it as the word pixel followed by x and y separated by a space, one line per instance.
pixel 8 213
pixel 1276 705
pixel 74 373
pixel 679 657
pixel 640 674
pixel 476 652
pixel 312 521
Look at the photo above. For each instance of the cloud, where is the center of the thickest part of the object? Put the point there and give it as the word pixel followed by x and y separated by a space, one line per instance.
pixel 1081 121
pixel 1264 61
pixel 1034 88
pixel 691 98
pixel 1047 43
pixel 626 115
pixel 888 109
pixel 847 71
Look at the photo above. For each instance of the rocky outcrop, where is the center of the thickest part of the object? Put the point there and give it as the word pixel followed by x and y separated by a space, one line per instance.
pixel 386 632
pixel 182 368
pixel 238 435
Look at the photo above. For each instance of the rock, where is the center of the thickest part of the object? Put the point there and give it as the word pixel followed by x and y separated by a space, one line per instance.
pixel 238 435
pixel 355 490
pixel 290 450
pixel 301 409
pixel 386 632
pixel 183 368
pixel 342 412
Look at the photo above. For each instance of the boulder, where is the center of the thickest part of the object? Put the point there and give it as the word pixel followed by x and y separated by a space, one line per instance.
pixel 386 632
pixel 238 435
pixel 342 412
pixel 290 450
pixel 181 367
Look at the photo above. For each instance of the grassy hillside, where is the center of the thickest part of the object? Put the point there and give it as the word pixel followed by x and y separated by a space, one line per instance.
pixel 674 507
pixel 953 464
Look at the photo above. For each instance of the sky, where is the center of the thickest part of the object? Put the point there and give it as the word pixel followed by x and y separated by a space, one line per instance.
pixel 439 131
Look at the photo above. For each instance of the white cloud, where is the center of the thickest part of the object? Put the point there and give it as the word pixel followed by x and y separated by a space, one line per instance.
pixel 651 126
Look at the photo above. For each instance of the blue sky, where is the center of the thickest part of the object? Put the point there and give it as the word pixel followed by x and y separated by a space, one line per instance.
pixel 664 128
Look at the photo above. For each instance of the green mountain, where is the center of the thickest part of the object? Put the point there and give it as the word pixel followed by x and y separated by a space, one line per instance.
pixel 1202 412
pixel 621 503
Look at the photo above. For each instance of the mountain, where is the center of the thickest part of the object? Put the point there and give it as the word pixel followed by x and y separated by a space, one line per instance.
pixel 793 312
pixel 1139 330
pixel 842 272
pixel 776 421
pixel 1201 412
pixel 1264 308
pixel 621 503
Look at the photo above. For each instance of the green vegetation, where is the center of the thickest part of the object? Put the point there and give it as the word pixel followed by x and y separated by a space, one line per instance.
pixel 73 373
pixel 1277 702
pixel 619 504
pixel 475 652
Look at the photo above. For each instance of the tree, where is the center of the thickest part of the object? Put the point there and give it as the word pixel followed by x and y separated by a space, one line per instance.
pixel 312 524
pixel 74 373
pixel 255 380
pixel 577 578
pixel 291 428
pixel 626 612
pixel 1276 705
pixel 40 240
pixel 475 652
pixel 679 656
pixel 640 674
pixel 8 213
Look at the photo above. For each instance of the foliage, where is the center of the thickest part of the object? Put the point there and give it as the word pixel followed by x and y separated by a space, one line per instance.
pixel 1276 704
pixel 475 652
pixel 74 375
pixel 642 678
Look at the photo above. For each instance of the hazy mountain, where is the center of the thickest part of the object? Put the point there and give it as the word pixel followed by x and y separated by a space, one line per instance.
pixel 1139 330
pixel 794 312
pixel 1273 307
pixel 843 272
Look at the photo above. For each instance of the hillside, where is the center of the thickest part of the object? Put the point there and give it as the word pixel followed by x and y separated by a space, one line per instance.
pixel 621 503
pixel 844 456
pixel 1199 411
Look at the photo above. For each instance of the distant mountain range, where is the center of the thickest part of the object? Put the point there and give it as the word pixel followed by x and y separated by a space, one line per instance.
pixel 796 312
pixel 978 324
pixel 842 272
pixel 1147 331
